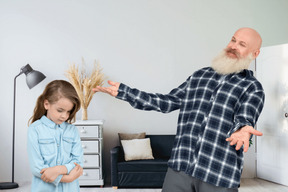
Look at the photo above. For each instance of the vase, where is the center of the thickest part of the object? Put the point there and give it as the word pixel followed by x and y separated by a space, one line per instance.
pixel 84 114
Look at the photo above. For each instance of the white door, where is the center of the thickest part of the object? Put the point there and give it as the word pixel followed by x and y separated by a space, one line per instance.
pixel 272 147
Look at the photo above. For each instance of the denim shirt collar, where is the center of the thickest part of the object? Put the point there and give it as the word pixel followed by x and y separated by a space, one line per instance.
pixel 49 123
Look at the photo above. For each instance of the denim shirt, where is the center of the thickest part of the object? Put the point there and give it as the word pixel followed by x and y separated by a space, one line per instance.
pixel 50 145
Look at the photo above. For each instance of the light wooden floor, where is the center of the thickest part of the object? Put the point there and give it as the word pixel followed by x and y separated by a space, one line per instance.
pixel 247 185
pixel 259 185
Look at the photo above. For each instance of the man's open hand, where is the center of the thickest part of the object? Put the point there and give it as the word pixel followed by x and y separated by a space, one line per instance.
pixel 112 90
pixel 242 137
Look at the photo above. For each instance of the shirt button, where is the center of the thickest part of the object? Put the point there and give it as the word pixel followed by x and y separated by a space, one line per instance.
pixel 58 162
pixel 212 99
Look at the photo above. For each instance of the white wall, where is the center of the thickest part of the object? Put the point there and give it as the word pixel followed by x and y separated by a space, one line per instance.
pixel 153 45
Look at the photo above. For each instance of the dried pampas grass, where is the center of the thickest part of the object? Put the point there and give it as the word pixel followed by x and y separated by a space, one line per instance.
pixel 83 83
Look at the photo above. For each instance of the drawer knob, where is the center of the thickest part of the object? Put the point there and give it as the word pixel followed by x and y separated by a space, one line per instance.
pixel 84 146
pixel 85 174
pixel 85 161
pixel 83 131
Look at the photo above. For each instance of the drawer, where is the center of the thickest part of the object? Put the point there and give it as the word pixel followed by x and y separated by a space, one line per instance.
pixel 90 174
pixel 88 131
pixel 90 147
pixel 91 161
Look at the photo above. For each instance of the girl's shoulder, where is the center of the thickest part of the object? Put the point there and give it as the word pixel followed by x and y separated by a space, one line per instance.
pixel 70 130
pixel 36 123
pixel 36 127
pixel 69 127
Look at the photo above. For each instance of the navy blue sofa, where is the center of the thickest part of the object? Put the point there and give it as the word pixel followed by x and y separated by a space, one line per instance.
pixel 142 173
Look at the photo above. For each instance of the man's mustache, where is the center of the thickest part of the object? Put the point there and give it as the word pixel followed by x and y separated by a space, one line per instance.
pixel 233 51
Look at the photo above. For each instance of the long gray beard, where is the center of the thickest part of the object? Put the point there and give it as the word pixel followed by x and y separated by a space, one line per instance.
pixel 224 65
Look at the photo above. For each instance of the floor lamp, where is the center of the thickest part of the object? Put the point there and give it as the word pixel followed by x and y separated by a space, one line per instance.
pixel 32 78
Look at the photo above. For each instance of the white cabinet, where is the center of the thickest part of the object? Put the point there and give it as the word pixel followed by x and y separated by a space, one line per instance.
pixel 92 143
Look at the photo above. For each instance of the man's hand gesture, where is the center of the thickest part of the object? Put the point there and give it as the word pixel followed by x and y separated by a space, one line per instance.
pixel 242 137
pixel 112 90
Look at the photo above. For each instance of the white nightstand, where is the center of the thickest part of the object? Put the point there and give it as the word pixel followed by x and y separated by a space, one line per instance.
pixel 92 143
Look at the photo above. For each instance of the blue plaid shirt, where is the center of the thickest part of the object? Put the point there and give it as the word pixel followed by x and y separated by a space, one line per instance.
pixel 212 107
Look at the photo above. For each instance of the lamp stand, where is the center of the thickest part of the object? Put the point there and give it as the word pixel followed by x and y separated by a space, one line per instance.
pixel 8 185
pixel 32 78
pixel 12 185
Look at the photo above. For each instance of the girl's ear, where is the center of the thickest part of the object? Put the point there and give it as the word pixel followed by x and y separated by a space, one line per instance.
pixel 46 104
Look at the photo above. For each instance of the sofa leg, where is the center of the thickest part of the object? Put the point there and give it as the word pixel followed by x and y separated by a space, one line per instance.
pixel 115 187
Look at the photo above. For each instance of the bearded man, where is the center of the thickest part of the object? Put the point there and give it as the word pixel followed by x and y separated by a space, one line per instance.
pixel 219 106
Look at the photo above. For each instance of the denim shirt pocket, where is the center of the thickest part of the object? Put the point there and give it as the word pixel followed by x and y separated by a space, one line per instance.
pixel 67 144
pixel 47 146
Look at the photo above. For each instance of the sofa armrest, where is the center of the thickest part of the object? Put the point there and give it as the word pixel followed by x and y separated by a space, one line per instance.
pixel 115 154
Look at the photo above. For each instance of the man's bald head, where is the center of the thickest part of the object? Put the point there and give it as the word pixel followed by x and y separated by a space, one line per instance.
pixel 245 41
pixel 252 35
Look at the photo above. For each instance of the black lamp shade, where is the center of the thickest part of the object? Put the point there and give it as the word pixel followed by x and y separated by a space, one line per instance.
pixel 32 77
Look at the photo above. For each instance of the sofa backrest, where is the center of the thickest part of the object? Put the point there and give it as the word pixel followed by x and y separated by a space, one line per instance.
pixel 161 145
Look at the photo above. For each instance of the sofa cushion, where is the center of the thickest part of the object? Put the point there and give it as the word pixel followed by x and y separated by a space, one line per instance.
pixel 129 136
pixel 137 149
pixel 150 165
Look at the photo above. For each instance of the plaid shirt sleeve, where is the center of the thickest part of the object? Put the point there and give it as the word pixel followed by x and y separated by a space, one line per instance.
pixel 148 101
pixel 250 109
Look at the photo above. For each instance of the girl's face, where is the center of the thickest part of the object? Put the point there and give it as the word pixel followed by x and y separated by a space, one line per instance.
pixel 58 112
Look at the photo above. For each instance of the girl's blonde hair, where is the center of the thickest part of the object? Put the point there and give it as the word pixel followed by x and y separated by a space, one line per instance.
pixel 52 93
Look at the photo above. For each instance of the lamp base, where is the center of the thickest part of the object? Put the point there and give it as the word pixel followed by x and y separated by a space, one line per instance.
pixel 8 185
